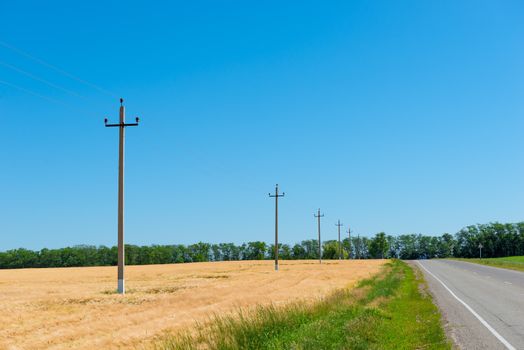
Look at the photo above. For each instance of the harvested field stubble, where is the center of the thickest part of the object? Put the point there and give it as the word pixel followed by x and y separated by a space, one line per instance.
pixel 59 308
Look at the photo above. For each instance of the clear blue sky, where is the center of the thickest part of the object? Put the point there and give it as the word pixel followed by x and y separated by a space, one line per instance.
pixel 395 116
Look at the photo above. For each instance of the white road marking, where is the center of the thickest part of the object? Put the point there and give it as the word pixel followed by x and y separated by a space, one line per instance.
pixel 484 323
pixel 507 282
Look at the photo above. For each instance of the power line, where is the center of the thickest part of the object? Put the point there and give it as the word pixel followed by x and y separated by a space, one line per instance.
pixel 34 77
pixel 55 68
pixel 30 92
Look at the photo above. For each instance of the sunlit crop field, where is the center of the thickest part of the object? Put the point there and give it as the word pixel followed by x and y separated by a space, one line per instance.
pixel 60 308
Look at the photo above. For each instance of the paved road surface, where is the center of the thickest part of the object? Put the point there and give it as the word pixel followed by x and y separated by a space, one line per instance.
pixel 490 312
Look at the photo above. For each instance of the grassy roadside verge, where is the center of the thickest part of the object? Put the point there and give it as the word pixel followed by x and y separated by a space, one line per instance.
pixel 389 311
pixel 508 262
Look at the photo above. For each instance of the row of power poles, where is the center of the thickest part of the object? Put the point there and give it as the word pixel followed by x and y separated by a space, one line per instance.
pixel 121 125
pixel 318 215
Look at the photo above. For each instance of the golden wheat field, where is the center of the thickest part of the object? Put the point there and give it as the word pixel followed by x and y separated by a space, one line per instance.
pixel 59 308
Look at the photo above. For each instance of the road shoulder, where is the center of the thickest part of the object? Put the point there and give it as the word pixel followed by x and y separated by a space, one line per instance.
pixel 461 327
pixel 425 289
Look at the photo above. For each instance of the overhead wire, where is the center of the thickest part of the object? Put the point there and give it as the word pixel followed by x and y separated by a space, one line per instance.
pixel 56 69
pixel 34 77
pixel 30 92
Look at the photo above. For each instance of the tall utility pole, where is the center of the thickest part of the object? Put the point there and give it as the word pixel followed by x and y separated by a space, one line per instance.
pixel 319 241
pixel 121 254
pixel 276 195
pixel 349 242
pixel 339 245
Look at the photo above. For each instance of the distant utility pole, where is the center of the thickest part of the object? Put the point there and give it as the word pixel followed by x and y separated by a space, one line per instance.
pixel 339 245
pixel 276 195
pixel 357 249
pixel 319 241
pixel 480 249
pixel 349 242
pixel 121 256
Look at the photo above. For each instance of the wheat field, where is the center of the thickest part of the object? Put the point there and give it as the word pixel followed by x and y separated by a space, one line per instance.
pixel 59 308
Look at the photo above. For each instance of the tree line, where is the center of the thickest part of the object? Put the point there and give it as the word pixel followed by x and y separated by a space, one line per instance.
pixel 496 239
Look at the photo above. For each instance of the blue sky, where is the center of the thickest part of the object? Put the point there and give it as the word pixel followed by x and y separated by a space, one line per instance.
pixel 395 116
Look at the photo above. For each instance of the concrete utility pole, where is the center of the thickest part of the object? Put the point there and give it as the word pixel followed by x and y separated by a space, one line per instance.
pixel 319 241
pixel 339 245
pixel 276 222
pixel 349 242
pixel 121 254
pixel 480 249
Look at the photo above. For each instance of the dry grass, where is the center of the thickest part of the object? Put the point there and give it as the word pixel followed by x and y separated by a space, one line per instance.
pixel 78 308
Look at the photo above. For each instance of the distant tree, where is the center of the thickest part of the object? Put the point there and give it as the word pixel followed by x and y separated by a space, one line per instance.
pixel 310 248
pixel 330 249
pixel 229 251
pixel 379 246
pixel 408 246
pixel 497 240
pixel 467 241
pixel 49 258
pixel 298 252
pixel 393 250
pixel 163 254
pixel 347 248
pixel 199 252
pixel 519 233
pixel 447 244
pixel 285 252
pixel 132 254
pixel 20 258
pixel 255 250
pixel 216 252
pixel 270 252
pixel 361 247
pixel 179 254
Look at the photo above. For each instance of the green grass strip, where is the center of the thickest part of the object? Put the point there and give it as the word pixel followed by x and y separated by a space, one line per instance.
pixel 389 311
pixel 508 262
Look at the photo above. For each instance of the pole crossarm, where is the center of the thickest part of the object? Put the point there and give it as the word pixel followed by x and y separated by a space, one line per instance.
pixel 276 196
pixel 122 123
pixel 276 193
pixel 113 125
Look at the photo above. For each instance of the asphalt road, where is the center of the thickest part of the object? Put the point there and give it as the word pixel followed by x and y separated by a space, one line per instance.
pixel 482 306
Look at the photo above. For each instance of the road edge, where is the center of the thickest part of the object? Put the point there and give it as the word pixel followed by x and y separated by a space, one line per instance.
pixel 444 320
